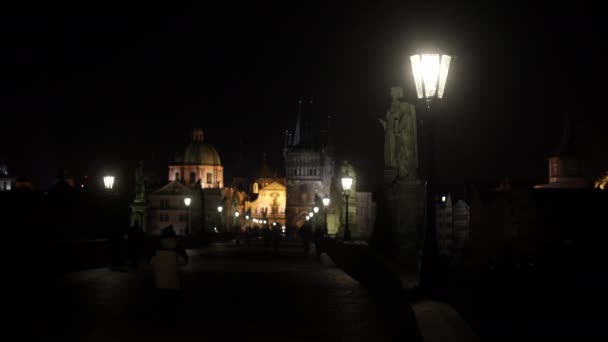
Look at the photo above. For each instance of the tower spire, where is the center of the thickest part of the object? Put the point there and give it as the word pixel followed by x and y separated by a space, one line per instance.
pixel 296 138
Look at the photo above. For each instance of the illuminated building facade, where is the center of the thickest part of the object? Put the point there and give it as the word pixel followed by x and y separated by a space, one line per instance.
pixel 200 162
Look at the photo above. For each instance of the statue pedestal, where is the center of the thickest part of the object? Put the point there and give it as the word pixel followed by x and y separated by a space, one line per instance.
pixel 405 206
pixel 139 213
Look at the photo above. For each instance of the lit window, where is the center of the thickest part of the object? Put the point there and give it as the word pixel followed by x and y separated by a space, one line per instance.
pixel 209 178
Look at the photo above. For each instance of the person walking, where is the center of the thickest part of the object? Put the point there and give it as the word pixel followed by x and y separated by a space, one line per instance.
pixel 166 263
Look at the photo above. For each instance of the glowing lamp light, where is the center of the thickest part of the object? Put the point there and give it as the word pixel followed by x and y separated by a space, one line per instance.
pixel 347 183
pixel 187 201
pixel 326 201
pixel 430 74
pixel 219 209
pixel 442 198
pixel 311 214
pixel 246 217
pixel 265 221
pixel 315 209
pixel 236 214
pixel 108 182
pixel 274 223
pixel 307 218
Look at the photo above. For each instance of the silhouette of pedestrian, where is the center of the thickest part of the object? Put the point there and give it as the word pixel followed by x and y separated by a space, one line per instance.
pixel 318 237
pixel 266 236
pixel 248 234
pixel 276 238
pixel 166 263
pixel 306 236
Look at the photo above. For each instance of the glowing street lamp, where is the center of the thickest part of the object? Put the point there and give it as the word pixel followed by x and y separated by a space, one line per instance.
pixel 325 205
pixel 347 183
pixel 108 182
pixel 430 75
pixel 219 211
pixel 187 201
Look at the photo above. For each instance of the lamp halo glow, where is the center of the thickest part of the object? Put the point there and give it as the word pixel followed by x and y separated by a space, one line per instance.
pixel 108 182
pixel 326 201
pixel 187 201
pixel 347 183
pixel 430 74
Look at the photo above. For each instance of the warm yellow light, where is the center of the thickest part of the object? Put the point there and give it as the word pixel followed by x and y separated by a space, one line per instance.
pixel 220 208
pixel 310 214
pixel 315 209
pixel 307 218
pixel 187 201
pixel 108 182
pixel 326 201
pixel 236 214
pixel 602 182
pixel 442 198
pixel 430 74
pixel 347 183
pixel 246 217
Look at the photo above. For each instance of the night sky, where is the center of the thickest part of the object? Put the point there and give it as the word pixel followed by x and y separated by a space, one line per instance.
pixel 109 86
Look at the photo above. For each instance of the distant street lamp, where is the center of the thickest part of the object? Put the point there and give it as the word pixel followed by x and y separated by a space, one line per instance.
pixel 187 202
pixel 315 209
pixel 236 220
pixel 325 205
pixel 347 183
pixel 430 75
pixel 219 210
pixel 108 182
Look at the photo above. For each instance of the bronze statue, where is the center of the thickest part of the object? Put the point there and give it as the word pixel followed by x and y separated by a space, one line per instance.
pixel 388 124
pixel 400 136
pixel 406 158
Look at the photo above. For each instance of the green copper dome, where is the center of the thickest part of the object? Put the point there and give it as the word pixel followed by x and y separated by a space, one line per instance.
pixel 200 152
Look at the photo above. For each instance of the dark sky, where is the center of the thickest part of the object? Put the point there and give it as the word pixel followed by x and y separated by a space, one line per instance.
pixel 112 85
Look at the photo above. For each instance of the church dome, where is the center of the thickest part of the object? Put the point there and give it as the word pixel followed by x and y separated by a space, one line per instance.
pixel 199 152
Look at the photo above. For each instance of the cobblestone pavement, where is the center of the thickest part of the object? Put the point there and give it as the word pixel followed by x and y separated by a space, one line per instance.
pixel 229 293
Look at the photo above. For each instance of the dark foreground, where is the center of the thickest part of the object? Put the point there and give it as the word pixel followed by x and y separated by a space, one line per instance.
pixel 229 293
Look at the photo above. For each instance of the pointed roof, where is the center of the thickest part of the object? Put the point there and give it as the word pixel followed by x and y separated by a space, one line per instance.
pixel 296 135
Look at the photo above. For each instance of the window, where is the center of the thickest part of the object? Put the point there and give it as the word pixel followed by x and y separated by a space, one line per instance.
pixel 192 178
pixel 177 176
pixel 164 217
pixel 164 203
pixel 209 178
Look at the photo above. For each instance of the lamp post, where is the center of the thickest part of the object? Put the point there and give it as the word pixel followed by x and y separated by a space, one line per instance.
pixel 430 75
pixel 325 205
pixel 219 210
pixel 187 202
pixel 347 182
pixel 236 221
pixel 315 210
